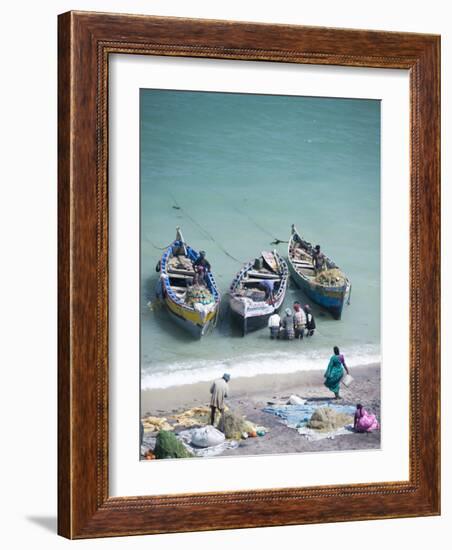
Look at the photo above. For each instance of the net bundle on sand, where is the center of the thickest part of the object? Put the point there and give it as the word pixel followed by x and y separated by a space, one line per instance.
pixel 331 277
pixel 154 424
pixel 326 419
pixel 234 425
pixel 168 446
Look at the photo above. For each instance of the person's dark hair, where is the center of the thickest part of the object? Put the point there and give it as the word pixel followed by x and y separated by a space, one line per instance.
pixel 317 247
pixel 359 406
pixel 336 350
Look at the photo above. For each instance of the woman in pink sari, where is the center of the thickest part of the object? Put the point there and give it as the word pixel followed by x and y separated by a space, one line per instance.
pixel 364 420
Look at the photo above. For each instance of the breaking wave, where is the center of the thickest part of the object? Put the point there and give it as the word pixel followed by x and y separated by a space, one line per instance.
pixel 161 375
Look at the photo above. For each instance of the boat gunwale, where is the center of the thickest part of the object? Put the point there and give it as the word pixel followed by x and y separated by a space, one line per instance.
pixel 310 281
pixel 163 270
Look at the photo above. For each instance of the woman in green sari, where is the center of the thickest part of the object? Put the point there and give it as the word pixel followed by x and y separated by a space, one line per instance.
pixel 335 372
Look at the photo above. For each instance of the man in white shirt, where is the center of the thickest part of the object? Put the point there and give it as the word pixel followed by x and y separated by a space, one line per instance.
pixel 274 324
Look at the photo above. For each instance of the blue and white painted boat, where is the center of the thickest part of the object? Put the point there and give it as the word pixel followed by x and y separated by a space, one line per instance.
pixel 250 305
pixel 177 275
pixel 300 260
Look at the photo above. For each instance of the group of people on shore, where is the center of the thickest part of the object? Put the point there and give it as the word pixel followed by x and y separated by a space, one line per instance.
pixel 295 324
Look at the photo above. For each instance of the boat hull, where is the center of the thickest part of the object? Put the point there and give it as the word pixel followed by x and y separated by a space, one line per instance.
pixel 196 329
pixel 250 324
pixel 331 298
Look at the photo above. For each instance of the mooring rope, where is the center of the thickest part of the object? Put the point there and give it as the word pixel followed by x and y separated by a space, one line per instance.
pixel 206 233
pixel 275 241
pixel 155 246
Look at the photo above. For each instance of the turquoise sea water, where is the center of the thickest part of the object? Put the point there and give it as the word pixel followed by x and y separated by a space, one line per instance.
pixel 241 168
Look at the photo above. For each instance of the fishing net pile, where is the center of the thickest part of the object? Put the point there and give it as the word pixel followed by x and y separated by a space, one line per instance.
pixel 168 446
pixel 234 426
pixel 154 424
pixel 331 277
pixel 199 294
pixel 326 419
pixel 193 417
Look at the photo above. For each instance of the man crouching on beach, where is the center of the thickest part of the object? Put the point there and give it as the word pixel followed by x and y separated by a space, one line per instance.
pixel 219 390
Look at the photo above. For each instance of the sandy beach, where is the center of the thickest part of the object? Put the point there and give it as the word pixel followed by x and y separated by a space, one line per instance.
pixel 248 397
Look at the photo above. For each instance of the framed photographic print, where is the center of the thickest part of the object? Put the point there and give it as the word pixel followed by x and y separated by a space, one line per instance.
pixel 248 275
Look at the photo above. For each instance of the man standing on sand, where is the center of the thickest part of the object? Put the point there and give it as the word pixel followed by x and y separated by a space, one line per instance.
pixel 219 390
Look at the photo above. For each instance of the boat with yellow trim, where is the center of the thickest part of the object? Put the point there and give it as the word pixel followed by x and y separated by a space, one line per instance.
pixel 192 300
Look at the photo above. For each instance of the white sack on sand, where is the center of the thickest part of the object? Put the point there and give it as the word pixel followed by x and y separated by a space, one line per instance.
pixel 186 437
pixel 208 436
pixel 296 400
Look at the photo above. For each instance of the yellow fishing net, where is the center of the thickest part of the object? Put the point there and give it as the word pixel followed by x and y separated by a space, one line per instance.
pixel 331 277
pixel 155 424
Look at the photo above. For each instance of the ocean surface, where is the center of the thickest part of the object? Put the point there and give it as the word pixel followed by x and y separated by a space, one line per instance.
pixel 234 171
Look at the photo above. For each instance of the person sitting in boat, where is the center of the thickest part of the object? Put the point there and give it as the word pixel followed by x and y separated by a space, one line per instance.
pixel 219 391
pixel 288 325
pixel 318 259
pixel 299 319
pixel 201 266
pixel 310 321
pixel 274 324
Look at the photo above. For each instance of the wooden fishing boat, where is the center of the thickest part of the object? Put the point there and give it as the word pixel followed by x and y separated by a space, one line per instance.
pixel 329 289
pixel 251 305
pixel 193 305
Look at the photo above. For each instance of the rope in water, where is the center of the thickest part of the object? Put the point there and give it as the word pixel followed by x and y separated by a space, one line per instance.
pixel 275 241
pixel 206 234
pixel 210 237
pixel 155 246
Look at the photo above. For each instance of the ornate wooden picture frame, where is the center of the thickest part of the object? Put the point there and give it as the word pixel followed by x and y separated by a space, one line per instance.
pixel 86 40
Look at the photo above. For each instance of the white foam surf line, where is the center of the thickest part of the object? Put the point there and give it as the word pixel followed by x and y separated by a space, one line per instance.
pixel 178 374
